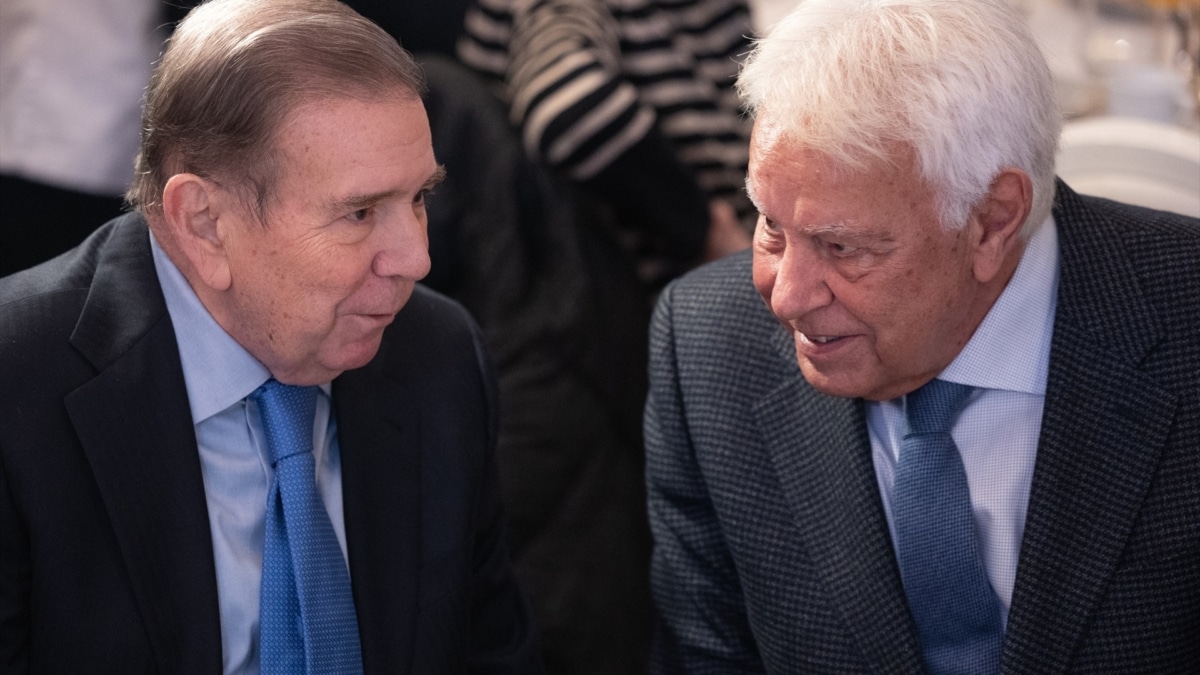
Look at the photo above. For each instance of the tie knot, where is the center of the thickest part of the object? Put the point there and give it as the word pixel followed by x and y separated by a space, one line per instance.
pixel 287 413
pixel 933 407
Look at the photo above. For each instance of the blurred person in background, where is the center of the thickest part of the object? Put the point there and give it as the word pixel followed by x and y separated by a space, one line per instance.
pixel 635 102
pixel 629 111
pixel 72 75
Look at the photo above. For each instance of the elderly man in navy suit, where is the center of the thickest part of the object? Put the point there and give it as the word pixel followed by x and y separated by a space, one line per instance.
pixel 237 436
pixel 945 416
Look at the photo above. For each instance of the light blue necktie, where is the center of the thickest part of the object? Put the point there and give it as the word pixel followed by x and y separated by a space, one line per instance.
pixel 306 617
pixel 956 611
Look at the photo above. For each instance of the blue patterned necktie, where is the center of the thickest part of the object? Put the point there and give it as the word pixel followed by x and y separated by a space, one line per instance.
pixel 956 611
pixel 306 617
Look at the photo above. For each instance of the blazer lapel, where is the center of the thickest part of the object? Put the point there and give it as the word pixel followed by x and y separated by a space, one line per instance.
pixel 135 427
pixel 822 453
pixel 379 438
pixel 1104 427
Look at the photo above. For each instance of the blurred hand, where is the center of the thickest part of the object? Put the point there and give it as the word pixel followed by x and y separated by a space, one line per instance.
pixel 725 233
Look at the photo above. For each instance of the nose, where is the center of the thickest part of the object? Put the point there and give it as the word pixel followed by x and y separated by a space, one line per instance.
pixel 405 249
pixel 800 284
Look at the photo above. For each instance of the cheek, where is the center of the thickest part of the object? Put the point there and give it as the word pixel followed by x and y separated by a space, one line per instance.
pixel 887 307
pixel 915 315
pixel 330 272
pixel 299 300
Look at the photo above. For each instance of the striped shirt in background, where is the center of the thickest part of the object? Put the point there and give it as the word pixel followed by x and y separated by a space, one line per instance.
pixel 635 96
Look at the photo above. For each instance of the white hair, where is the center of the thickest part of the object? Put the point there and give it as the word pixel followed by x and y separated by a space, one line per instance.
pixel 961 83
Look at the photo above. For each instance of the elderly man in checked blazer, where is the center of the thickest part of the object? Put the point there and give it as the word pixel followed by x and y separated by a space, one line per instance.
pixel 912 238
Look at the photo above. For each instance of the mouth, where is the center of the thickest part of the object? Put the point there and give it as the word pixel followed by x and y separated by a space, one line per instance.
pixel 820 339
pixel 377 320
pixel 386 314
pixel 822 346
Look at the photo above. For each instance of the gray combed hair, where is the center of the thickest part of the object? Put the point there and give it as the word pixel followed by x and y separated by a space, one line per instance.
pixel 232 73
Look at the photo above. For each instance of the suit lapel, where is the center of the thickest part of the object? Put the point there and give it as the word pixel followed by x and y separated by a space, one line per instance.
pixel 1103 431
pixel 822 453
pixel 135 427
pixel 379 436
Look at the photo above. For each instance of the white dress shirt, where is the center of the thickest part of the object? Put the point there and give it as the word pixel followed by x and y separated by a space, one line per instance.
pixel 234 459
pixel 1007 359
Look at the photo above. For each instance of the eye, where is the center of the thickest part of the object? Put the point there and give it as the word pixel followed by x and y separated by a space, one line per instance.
pixel 842 250
pixel 421 196
pixel 361 215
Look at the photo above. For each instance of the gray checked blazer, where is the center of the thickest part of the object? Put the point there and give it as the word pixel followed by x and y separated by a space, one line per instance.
pixel 772 552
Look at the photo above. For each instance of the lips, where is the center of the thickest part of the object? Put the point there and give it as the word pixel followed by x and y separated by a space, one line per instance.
pixel 379 310
pixel 821 347
pixel 375 321
pixel 819 339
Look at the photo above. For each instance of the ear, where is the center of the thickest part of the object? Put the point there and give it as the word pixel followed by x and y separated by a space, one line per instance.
pixel 998 219
pixel 192 209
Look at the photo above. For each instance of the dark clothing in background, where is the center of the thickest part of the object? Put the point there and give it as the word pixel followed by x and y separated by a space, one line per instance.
pixel 39 221
pixel 420 26
pixel 565 319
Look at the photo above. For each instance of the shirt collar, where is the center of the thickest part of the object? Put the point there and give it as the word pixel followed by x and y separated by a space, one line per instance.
pixel 217 370
pixel 1011 347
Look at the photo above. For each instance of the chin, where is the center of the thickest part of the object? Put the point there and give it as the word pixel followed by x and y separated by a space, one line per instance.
pixel 358 359
pixel 352 356
pixel 841 385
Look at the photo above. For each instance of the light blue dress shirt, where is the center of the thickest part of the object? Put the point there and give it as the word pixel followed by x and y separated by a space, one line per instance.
pixel 1007 359
pixel 237 471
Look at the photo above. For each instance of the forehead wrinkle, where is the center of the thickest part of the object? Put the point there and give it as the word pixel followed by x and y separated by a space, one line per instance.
pixel 835 227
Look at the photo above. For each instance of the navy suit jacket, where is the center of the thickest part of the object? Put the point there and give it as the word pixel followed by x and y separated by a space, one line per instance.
pixel 772 552
pixel 106 562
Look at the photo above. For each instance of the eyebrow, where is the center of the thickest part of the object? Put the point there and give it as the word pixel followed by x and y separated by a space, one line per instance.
pixel 841 229
pixel 859 238
pixel 750 193
pixel 354 202
pixel 438 175
pixel 836 229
